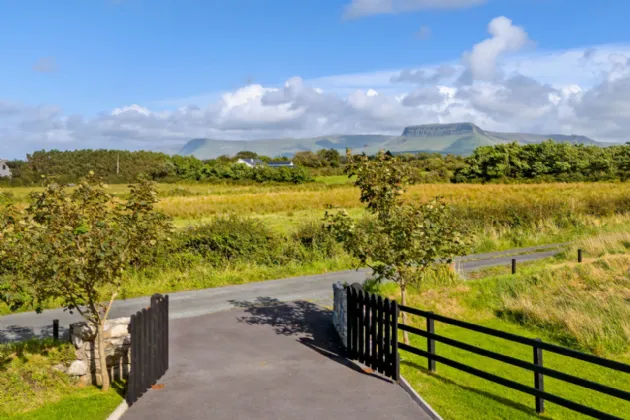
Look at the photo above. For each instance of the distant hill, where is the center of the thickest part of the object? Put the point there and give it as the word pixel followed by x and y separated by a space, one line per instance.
pixel 457 138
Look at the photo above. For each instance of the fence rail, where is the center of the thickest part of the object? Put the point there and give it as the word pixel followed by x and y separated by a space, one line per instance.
pixel 149 347
pixel 537 367
pixel 373 340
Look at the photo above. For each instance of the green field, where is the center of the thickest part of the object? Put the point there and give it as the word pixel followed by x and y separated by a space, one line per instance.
pixel 583 306
pixel 497 217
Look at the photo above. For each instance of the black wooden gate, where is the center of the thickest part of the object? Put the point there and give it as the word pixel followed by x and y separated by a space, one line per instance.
pixel 149 347
pixel 373 331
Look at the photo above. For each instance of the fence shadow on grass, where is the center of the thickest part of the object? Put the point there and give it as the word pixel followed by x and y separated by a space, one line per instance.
pixel 309 323
pixel 502 400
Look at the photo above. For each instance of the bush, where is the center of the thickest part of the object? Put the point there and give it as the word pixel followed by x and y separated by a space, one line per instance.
pixel 315 237
pixel 6 197
pixel 230 238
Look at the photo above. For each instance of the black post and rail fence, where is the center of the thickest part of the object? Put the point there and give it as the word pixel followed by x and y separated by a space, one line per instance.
pixel 149 347
pixel 368 315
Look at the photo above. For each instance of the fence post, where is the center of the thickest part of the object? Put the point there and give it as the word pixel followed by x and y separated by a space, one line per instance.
pixel 430 341
pixel 579 255
pixel 513 265
pixel 373 333
pixel 361 309
pixel 349 316
pixel 166 342
pixel 56 329
pixel 379 334
pixel 539 379
pixel 387 306
pixel 394 357
pixel 144 351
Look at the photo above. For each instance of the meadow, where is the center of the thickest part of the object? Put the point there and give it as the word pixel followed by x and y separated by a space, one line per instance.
pixel 579 305
pixel 247 233
pixel 495 217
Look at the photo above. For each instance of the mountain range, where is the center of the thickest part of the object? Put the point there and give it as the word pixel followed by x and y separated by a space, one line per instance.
pixel 456 138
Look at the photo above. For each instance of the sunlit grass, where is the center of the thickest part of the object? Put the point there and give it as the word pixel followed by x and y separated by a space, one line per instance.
pixel 30 387
pixel 581 305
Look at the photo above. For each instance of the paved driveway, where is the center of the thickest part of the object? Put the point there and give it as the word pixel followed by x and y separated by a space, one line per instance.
pixel 267 360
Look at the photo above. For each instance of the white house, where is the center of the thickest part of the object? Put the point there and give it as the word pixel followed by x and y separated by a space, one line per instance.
pixel 251 162
pixel 257 162
pixel 5 172
pixel 281 164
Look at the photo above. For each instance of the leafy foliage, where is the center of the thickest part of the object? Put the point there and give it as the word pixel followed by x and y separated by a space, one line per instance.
pixel 547 161
pixel 75 246
pixel 120 166
pixel 399 240
pixel 229 238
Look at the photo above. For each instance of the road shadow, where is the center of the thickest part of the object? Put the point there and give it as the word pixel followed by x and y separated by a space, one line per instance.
pixel 311 325
pixel 17 333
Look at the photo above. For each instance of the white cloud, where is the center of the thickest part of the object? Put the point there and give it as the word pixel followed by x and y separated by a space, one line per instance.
pixel 361 8
pixel 131 110
pixel 506 38
pixel 580 91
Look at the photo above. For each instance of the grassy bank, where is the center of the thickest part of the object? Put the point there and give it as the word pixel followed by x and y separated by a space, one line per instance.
pixel 583 306
pixel 31 388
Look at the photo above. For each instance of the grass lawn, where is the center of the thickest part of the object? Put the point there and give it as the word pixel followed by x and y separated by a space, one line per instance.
pixel 458 395
pixel 583 306
pixel 89 403
pixel 31 388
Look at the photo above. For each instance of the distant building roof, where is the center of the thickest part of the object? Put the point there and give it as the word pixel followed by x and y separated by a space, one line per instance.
pixel 251 162
pixel 279 164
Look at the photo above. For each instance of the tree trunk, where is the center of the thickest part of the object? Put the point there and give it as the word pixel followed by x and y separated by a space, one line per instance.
pixel 403 301
pixel 101 356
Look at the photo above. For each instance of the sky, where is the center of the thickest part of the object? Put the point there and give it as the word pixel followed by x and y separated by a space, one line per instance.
pixel 153 74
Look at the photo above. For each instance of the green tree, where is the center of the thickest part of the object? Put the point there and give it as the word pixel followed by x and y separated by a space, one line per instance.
pixel 74 247
pixel 246 154
pixel 329 157
pixel 399 241
pixel 308 159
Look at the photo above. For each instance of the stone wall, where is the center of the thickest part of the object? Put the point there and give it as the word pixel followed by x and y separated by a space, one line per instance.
pixel 117 350
pixel 340 319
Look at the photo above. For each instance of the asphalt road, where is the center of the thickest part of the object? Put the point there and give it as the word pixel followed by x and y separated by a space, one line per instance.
pixel 316 289
pixel 296 369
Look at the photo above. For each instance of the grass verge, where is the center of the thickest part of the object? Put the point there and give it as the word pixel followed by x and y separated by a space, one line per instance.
pixel 31 387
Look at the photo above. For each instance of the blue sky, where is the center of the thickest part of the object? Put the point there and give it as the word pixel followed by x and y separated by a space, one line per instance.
pixel 113 73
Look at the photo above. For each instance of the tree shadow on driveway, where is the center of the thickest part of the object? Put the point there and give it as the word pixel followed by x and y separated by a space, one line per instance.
pixel 311 324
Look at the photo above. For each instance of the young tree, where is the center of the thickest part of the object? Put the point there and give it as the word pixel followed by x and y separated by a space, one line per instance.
pixel 399 241
pixel 74 247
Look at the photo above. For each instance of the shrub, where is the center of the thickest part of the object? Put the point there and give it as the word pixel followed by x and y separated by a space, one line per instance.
pixel 315 237
pixel 6 197
pixel 230 238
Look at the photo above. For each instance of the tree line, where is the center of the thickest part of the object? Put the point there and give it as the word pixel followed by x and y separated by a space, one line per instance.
pixel 122 166
pixel 504 163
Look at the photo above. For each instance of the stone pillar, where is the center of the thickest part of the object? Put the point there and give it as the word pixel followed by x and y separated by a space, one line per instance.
pixel 117 350
pixel 340 318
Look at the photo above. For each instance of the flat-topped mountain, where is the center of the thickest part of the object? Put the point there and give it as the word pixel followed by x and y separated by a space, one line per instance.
pixel 456 138
pixel 433 130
